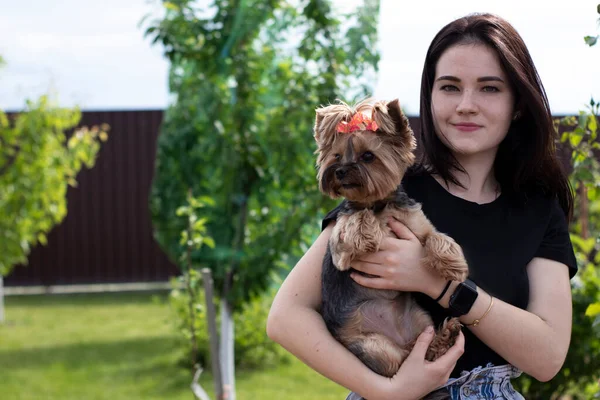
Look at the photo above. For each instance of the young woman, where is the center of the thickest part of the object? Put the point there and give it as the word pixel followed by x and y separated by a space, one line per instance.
pixel 490 178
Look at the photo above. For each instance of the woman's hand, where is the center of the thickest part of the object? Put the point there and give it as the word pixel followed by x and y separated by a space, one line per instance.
pixel 417 376
pixel 397 265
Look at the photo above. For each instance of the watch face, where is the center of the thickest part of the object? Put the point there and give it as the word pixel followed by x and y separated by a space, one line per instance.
pixel 462 299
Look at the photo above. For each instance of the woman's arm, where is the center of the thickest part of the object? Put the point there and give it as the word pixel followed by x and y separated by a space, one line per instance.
pixel 295 323
pixel 535 340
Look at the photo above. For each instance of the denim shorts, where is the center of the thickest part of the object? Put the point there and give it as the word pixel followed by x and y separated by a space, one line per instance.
pixel 489 383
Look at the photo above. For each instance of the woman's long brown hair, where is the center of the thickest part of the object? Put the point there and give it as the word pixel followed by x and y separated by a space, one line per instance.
pixel 527 160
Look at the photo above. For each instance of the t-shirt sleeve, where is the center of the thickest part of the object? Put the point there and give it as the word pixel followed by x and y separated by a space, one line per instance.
pixel 556 244
pixel 332 215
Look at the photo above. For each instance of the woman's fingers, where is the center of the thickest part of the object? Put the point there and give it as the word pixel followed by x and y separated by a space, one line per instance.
pixel 378 258
pixel 422 344
pixel 371 282
pixel 401 230
pixel 367 267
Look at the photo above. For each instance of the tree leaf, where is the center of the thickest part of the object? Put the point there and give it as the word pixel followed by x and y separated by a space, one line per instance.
pixel 593 310
pixel 209 242
pixel 591 40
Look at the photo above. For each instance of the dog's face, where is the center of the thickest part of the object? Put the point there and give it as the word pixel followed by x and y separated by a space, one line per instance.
pixel 368 163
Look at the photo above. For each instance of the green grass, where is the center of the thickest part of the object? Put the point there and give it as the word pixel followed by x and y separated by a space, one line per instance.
pixel 118 346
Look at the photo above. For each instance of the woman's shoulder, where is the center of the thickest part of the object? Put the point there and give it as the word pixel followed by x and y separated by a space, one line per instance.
pixel 540 203
pixel 536 212
pixel 417 171
pixel 416 179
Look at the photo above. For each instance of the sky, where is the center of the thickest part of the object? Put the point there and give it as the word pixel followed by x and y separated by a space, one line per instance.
pixel 92 53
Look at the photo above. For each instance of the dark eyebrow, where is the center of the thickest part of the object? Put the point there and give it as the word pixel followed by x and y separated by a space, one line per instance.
pixel 490 78
pixel 448 78
pixel 482 79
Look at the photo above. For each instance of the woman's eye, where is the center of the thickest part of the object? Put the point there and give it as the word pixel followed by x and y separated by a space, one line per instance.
pixel 449 88
pixel 368 157
pixel 490 89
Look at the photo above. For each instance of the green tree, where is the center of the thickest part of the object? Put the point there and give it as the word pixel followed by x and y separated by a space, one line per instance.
pixel 37 164
pixel 246 76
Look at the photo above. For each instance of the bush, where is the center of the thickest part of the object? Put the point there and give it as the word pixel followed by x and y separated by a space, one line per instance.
pixel 580 373
pixel 39 160
pixel 253 348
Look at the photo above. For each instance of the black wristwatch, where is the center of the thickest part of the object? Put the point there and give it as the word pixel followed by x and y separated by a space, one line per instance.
pixel 463 298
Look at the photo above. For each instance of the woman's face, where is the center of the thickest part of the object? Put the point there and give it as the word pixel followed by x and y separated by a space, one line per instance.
pixel 471 102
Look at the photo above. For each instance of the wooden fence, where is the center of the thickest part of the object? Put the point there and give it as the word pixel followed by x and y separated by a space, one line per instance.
pixel 107 234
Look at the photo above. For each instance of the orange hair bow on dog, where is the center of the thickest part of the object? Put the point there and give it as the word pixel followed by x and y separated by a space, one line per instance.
pixel 359 122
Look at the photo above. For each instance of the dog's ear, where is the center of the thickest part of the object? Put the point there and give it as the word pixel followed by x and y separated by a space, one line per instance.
pixel 399 119
pixel 390 118
pixel 393 123
pixel 327 120
pixel 318 132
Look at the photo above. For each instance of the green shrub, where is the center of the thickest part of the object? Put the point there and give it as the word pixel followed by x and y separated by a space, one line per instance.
pixel 581 371
pixel 253 348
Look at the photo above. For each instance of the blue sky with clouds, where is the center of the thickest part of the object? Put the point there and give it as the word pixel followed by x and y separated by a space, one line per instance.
pixel 92 52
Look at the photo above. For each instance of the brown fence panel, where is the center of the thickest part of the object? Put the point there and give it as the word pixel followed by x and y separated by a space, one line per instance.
pixel 107 234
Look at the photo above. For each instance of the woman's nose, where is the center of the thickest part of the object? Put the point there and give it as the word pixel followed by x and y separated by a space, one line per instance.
pixel 467 104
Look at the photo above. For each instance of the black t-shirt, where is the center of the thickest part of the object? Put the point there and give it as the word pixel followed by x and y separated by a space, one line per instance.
pixel 498 239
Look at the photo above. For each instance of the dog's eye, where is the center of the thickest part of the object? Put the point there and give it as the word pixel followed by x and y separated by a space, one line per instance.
pixel 368 157
pixel 338 157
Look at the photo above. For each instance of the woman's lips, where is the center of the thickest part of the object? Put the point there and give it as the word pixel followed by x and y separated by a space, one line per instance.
pixel 467 127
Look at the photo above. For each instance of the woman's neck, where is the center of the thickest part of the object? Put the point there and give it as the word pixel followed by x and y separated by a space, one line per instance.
pixel 479 183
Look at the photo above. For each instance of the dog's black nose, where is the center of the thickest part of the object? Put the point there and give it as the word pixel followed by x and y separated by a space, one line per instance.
pixel 340 173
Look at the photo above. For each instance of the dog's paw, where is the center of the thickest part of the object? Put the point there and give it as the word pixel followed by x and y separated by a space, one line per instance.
pixel 446 257
pixel 368 244
pixel 444 339
pixel 363 232
pixel 344 261
pixel 451 329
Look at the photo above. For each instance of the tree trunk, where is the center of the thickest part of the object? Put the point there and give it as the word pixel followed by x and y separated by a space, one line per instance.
pixel 227 324
pixel 211 317
pixel 1 299
pixel 227 345
pixel 584 211
pixel 191 309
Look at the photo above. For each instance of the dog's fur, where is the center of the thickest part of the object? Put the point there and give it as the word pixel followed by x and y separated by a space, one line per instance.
pixel 379 326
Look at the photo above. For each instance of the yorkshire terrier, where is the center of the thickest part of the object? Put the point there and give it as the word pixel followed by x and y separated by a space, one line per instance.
pixel 363 153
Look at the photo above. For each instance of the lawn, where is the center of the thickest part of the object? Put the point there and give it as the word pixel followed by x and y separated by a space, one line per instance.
pixel 118 346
